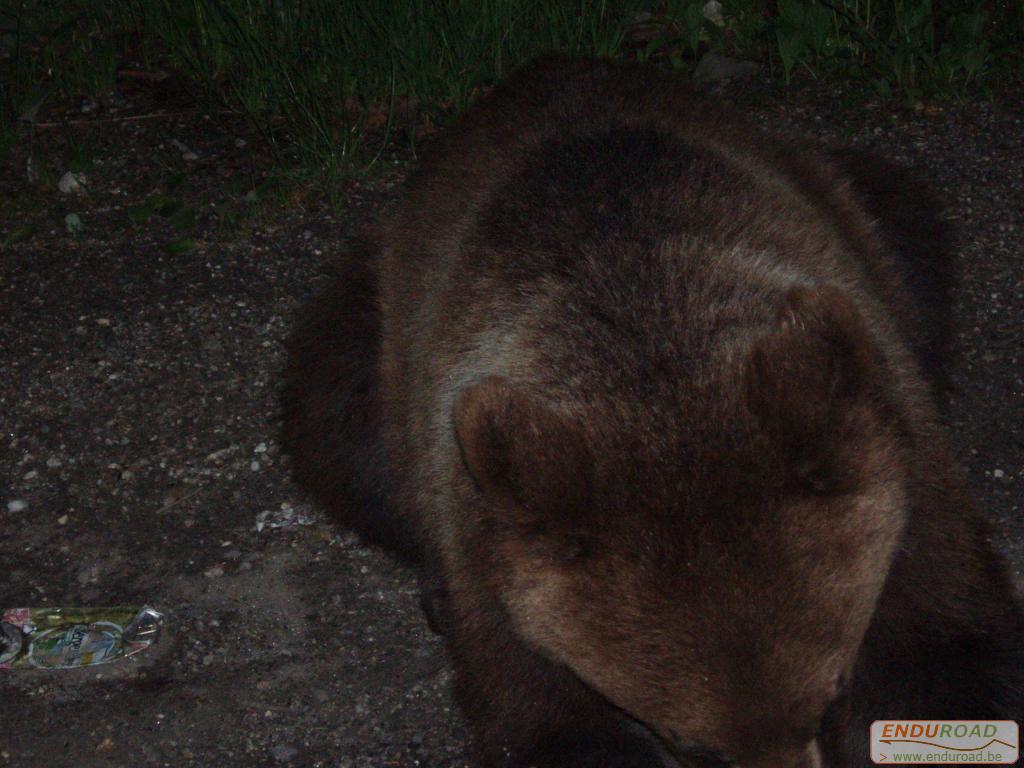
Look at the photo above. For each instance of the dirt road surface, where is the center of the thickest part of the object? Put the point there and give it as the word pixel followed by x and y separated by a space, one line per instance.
pixel 140 360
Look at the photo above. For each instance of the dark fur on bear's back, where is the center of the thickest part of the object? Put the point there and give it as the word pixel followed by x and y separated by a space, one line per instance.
pixel 646 395
pixel 921 243
pixel 331 405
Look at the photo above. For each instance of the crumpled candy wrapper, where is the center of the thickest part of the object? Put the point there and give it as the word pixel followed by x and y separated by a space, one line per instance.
pixel 65 638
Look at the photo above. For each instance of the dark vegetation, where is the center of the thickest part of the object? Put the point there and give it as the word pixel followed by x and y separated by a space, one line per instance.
pixel 329 83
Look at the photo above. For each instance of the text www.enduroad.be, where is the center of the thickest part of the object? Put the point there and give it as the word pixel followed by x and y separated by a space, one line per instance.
pixel 949 757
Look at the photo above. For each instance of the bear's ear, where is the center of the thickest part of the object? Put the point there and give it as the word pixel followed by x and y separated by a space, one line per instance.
pixel 809 378
pixel 521 454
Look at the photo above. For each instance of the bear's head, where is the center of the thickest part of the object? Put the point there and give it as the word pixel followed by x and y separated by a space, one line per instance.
pixel 709 562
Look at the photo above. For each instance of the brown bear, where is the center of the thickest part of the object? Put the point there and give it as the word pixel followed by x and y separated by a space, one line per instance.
pixel 648 396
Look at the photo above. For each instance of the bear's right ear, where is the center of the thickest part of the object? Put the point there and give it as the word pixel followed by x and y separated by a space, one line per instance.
pixel 521 454
pixel 809 380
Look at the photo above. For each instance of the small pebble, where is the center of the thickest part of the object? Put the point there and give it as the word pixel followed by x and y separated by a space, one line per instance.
pixel 89 575
pixel 17 505
pixel 712 11
pixel 213 573
pixel 284 753
pixel 71 182
pixel 62 520
pixel 186 153
pixel 998 474
pixel 53 462
pixel 72 223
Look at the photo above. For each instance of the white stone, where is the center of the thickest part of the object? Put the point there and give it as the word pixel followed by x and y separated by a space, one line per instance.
pixel 71 183
pixel 713 12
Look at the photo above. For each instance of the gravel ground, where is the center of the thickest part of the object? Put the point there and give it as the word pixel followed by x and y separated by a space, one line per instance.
pixel 139 363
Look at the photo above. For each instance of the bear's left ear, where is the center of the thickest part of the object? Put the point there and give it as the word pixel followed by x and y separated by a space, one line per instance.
pixel 522 454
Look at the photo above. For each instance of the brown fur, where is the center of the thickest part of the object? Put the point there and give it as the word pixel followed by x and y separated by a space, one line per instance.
pixel 644 391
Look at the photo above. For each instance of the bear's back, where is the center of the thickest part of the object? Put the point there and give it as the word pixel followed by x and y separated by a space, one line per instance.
pixel 572 157
pixel 570 194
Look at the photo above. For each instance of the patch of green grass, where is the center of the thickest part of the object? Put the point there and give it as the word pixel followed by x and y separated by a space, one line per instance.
pixel 179 247
pixel 20 233
pixel 183 219
pixel 313 76
pixel 80 156
pixel 329 83
pixel 49 49
pixel 166 205
pixel 140 214
pixel 905 49
pixel 181 216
